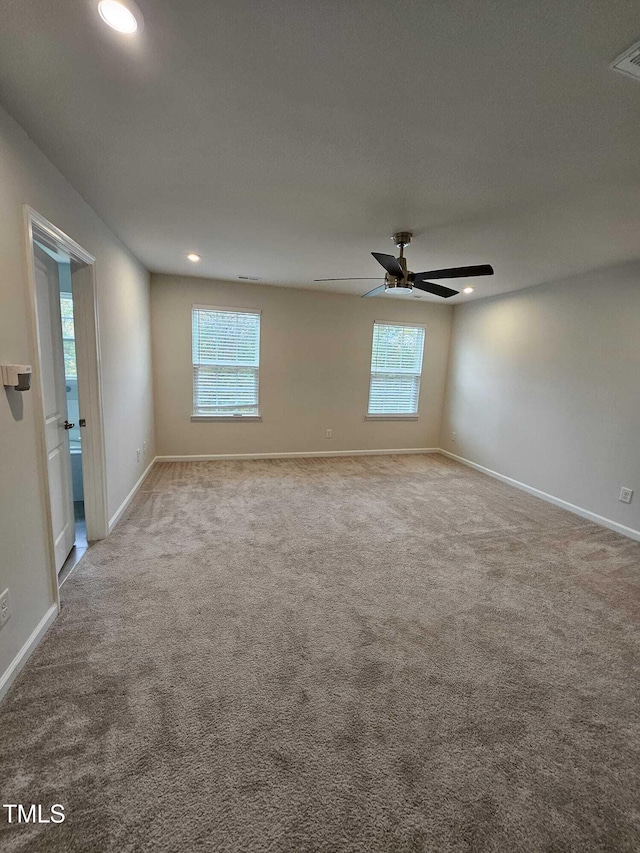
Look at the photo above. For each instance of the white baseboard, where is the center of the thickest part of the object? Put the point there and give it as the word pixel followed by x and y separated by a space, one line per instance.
pixel 125 503
pixel 577 510
pixel 8 677
pixel 303 454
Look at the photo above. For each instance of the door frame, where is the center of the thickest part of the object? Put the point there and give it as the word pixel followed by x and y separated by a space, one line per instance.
pixel 89 385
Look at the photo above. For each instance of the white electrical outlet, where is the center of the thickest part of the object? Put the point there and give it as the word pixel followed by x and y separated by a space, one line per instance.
pixel 625 495
pixel 453 436
pixel 329 433
pixel 144 448
pixel 138 455
pixel 5 607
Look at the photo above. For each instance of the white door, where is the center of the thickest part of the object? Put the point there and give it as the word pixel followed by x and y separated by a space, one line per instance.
pixel 55 405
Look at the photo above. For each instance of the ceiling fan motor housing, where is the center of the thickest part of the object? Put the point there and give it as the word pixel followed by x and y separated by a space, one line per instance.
pixel 404 284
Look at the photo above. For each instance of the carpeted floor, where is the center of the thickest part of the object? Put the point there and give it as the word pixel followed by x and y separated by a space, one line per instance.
pixel 370 654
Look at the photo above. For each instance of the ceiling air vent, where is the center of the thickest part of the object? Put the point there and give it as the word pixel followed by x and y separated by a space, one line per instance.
pixel 628 62
pixel 249 278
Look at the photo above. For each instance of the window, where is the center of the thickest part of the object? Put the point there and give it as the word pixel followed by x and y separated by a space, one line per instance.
pixel 226 359
pixel 396 366
pixel 68 336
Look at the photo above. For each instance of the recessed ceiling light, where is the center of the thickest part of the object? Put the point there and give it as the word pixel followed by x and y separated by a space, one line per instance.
pixel 119 16
pixel 193 257
pixel 468 290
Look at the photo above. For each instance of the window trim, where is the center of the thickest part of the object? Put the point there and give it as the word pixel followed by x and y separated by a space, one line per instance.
pixel 226 418
pixel 396 416
pixel 222 418
pixel 391 417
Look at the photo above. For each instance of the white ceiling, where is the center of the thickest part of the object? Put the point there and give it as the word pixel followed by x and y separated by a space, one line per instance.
pixel 288 139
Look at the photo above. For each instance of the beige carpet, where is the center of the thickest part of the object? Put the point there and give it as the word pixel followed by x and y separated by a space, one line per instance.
pixel 370 654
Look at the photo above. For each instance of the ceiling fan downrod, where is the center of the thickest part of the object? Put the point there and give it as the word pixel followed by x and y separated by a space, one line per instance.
pixel 401 239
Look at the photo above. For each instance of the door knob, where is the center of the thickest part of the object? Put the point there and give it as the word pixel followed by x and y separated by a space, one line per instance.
pixel 67 425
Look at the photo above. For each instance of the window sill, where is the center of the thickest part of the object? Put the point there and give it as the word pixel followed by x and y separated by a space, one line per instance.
pixel 391 417
pixel 226 418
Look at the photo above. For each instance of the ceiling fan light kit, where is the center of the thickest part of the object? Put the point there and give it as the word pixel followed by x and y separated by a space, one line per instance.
pixel 399 279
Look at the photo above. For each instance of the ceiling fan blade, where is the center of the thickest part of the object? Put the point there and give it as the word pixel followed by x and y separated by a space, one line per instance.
pixel 437 289
pixel 457 272
pixel 390 263
pixel 375 291
pixel 366 278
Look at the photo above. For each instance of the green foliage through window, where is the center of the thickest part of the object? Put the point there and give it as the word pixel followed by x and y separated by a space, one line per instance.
pixel 68 336
pixel 396 366
pixel 226 361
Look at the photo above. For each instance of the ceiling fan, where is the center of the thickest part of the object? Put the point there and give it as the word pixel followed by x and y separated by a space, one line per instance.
pixel 398 279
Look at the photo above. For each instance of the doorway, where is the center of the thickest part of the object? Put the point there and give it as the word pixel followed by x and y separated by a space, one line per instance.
pixel 68 388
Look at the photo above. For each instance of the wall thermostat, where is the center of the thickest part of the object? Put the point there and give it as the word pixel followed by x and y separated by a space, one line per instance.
pixel 17 376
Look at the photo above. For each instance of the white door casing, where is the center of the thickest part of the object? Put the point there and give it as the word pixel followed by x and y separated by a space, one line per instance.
pixel 89 392
pixel 55 406
pixel 86 322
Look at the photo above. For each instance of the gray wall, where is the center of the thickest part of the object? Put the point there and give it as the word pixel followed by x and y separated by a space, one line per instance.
pixel 314 371
pixel 544 387
pixel 26 176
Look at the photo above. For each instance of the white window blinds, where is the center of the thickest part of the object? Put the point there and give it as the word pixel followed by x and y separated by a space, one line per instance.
pixel 226 360
pixel 396 366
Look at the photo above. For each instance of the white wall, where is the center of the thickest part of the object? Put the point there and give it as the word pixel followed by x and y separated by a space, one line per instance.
pixel 26 176
pixel 544 387
pixel 314 371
